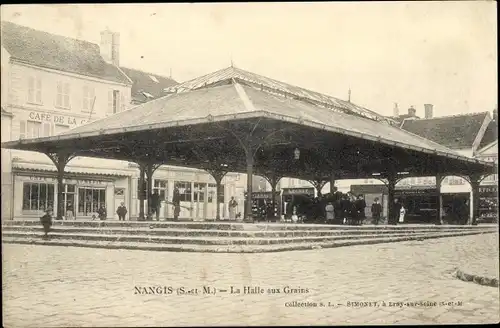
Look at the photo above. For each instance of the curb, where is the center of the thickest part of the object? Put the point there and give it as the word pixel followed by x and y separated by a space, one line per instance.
pixel 230 248
pixel 480 280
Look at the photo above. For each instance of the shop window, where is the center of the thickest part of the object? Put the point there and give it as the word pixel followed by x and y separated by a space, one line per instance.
pixel 37 196
pixel 90 200
pixel 47 129
pixel 161 186
pixel 88 98
pixel 29 129
pixel 199 192
pixel 35 90
pixel 63 95
pixel 69 196
pixel 212 188
pixel 491 178
pixel 184 190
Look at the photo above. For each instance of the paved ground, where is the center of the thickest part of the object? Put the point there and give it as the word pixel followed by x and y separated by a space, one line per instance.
pixel 56 286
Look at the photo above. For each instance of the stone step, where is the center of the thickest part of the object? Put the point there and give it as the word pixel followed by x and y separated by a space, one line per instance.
pixel 172 232
pixel 227 248
pixel 215 240
pixel 235 226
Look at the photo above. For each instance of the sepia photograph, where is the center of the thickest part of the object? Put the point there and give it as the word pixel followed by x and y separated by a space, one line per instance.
pixel 249 164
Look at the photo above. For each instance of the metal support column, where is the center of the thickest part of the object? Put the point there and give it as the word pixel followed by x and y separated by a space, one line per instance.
pixel 149 187
pixel 318 184
pixel 391 188
pixel 248 205
pixel 218 174
pixel 142 169
pixel 475 180
pixel 439 214
pixel 60 160
pixel 273 180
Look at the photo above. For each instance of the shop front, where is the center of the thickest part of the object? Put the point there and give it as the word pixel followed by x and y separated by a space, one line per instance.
pixel 198 194
pixel 488 203
pixel 34 192
pixel 420 204
pixel 262 206
pixel 300 198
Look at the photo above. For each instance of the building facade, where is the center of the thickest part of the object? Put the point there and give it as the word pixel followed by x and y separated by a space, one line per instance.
pixel 52 84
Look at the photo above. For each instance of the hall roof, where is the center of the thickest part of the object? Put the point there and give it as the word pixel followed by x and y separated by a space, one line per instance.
pixel 57 52
pixel 236 98
pixel 208 125
pixel 276 87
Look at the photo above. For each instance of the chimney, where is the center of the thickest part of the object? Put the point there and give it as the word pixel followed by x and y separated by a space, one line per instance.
pixel 396 110
pixel 412 111
pixel 428 110
pixel 110 47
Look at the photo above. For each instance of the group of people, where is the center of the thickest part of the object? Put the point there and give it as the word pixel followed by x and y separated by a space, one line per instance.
pixel 340 208
pixel 336 208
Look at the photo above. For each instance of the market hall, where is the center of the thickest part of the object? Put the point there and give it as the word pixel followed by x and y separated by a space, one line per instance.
pixel 237 121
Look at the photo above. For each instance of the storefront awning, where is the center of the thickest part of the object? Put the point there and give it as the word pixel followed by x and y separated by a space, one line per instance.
pixel 32 167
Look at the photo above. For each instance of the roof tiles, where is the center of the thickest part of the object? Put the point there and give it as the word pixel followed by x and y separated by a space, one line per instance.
pixel 57 52
pixel 455 132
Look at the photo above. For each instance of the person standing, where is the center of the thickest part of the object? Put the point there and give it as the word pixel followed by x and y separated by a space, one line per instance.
pixel 360 206
pixel 232 209
pixel 346 209
pixel 376 211
pixel 155 205
pixel 46 221
pixel 176 201
pixel 395 212
pixel 330 212
pixel 69 211
pixel 102 213
pixel 121 211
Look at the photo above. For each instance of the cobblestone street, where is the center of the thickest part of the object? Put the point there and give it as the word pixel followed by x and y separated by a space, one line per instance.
pixel 57 286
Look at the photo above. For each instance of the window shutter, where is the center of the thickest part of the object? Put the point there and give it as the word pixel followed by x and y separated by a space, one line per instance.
pixel 122 102
pixel 59 94
pixel 110 101
pixel 47 129
pixel 39 90
pixel 66 95
pixel 31 89
pixel 22 130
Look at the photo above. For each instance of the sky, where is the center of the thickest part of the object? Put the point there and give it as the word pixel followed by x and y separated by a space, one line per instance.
pixel 410 53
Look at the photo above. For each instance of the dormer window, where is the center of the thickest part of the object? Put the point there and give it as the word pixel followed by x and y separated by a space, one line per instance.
pixel 152 77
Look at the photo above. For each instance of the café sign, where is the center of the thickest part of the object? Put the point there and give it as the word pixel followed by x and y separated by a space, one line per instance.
pixel 68 181
pixel 298 191
pixel 57 119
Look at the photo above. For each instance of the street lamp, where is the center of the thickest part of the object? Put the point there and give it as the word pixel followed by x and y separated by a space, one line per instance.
pixel 296 153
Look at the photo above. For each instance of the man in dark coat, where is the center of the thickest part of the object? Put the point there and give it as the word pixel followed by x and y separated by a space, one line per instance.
pixel 376 211
pixel 121 211
pixel 395 211
pixel 46 221
pixel 346 209
pixel 155 205
pixel 360 206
